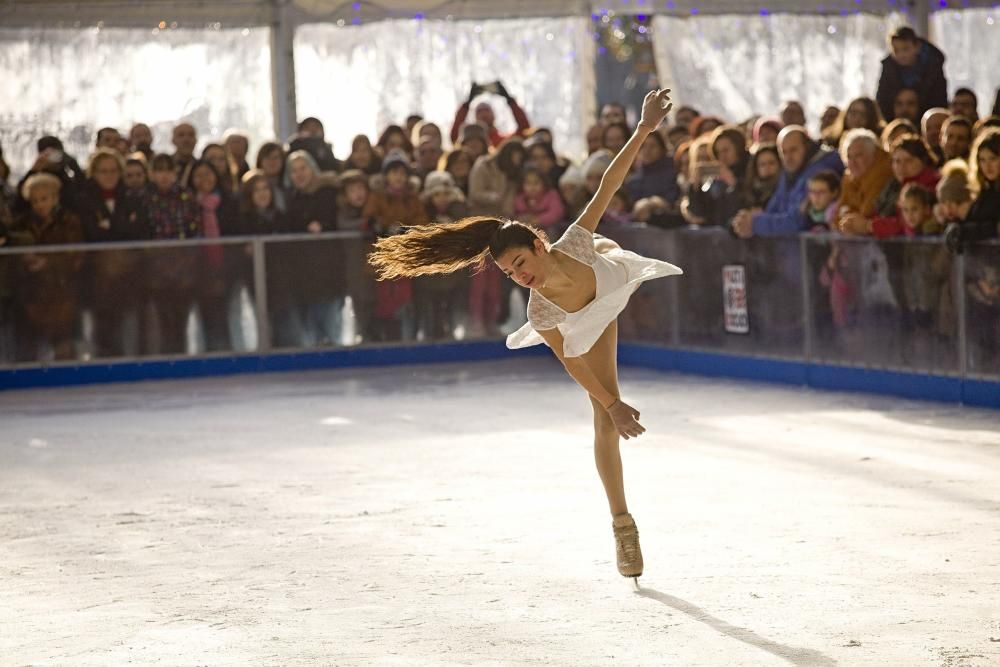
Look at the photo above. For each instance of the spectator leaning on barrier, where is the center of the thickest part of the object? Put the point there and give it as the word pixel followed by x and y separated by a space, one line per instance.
pixel 868 171
pixel 912 162
pixel 983 218
pixel 801 158
pixel 48 293
pixel 912 63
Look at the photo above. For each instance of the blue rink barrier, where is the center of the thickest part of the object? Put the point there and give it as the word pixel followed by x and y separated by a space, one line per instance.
pixel 969 391
pixel 182 368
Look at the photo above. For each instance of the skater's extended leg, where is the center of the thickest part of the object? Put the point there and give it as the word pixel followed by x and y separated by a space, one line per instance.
pixel 602 360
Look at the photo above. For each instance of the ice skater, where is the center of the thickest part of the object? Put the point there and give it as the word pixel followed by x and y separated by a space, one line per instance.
pixel 578 286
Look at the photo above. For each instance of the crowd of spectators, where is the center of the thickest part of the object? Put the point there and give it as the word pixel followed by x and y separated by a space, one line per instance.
pixel 908 162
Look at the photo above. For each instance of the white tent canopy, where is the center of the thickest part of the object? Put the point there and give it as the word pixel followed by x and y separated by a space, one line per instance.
pixel 254 47
pixel 127 13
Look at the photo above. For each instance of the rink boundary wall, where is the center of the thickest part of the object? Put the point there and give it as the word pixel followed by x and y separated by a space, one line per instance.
pixel 950 389
pixel 185 367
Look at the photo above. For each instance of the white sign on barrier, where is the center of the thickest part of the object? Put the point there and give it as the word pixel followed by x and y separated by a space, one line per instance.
pixel 734 298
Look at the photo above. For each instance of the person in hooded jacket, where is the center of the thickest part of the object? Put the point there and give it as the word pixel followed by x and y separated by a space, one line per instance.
pixel 913 63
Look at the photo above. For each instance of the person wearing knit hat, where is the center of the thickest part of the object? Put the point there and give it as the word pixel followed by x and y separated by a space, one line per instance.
pixel 593 169
pixel 440 183
pixel 396 159
pixel 572 188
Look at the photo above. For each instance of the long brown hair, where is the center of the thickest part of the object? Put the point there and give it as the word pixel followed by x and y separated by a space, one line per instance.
pixel 448 247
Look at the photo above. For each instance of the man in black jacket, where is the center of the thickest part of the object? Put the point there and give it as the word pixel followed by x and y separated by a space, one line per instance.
pixel 914 63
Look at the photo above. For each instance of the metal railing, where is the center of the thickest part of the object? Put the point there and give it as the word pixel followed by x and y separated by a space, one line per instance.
pixel 900 304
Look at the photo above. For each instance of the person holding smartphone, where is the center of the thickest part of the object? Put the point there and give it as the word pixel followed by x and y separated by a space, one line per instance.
pixel 484 113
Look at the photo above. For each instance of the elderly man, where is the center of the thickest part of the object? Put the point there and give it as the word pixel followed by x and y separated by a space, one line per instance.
pixel 485 115
pixel 801 157
pixel 868 170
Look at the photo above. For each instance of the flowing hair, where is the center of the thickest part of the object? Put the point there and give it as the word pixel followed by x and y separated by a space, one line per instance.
pixel 443 248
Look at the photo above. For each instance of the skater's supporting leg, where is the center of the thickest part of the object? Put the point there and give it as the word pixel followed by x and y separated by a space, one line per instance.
pixel 602 360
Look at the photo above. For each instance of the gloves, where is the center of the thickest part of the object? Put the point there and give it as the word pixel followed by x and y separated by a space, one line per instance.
pixel 473 92
pixel 502 91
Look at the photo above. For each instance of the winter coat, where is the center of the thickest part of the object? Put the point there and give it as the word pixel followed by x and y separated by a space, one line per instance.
pixel 889 222
pixel 315 268
pixel 926 76
pixel 491 191
pixel 48 294
pixel 983 220
pixel 657 179
pixel 318 204
pixel 72 177
pixel 783 214
pixel 388 211
pixel 126 220
pixel 858 195
pixel 547 209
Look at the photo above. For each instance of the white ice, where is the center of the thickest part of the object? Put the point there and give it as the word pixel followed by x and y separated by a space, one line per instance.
pixel 451 514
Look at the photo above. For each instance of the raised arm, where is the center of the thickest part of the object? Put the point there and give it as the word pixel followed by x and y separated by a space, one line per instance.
pixel 654 109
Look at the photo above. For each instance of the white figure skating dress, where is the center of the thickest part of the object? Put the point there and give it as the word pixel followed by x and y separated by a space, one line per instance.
pixel 618 273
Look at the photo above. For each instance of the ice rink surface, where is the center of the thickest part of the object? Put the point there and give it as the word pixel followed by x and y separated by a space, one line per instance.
pixel 452 514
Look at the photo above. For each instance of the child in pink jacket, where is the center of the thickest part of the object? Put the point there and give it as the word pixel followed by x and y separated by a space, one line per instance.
pixel 538 203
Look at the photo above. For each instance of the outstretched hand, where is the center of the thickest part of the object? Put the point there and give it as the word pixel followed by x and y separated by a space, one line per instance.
pixel 655 108
pixel 626 419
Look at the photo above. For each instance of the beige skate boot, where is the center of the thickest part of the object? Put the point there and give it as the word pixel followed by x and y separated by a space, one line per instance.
pixel 627 546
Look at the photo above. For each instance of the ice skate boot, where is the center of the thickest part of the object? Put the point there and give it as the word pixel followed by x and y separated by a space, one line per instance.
pixel 627 546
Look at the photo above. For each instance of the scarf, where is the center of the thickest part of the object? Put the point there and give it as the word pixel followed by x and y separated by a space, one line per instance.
pixel 210 224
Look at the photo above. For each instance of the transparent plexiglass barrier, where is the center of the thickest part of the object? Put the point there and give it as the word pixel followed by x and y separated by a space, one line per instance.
pixel 903 304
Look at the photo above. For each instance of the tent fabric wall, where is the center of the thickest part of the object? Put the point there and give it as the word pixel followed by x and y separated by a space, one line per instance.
pixel 971 40
pixel 72 82
pixel 358 79
pixel 739 66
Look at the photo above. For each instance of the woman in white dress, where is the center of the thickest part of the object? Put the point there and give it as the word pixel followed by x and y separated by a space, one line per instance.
pixel 579 285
